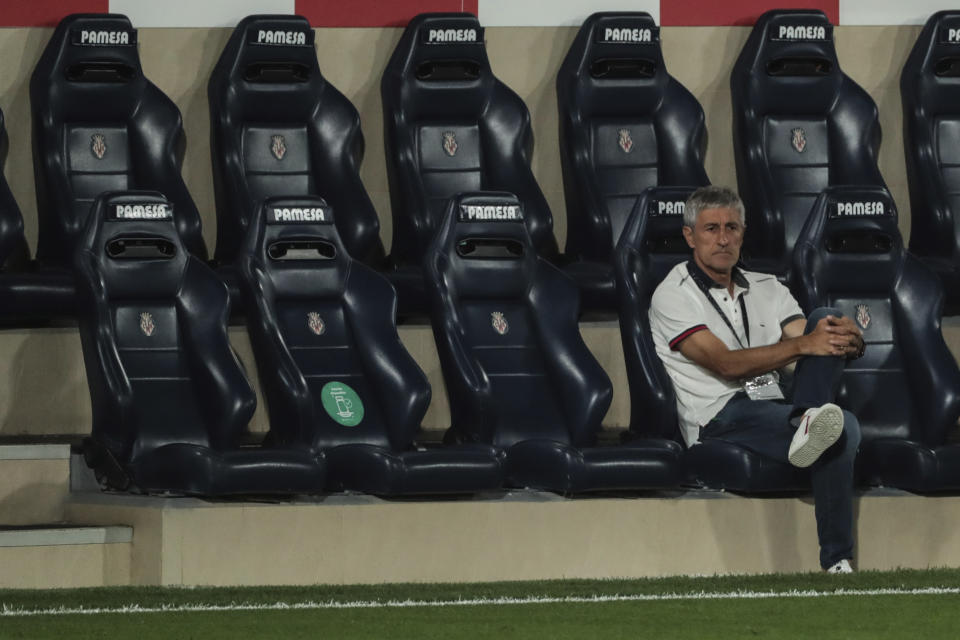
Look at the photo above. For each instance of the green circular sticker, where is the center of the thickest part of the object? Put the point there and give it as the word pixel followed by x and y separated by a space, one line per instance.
pixel 342 403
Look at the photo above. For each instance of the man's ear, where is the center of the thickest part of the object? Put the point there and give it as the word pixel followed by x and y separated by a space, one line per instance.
pixel 688 235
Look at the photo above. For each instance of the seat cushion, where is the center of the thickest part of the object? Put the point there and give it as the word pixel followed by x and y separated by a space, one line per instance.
pixel 912 466
pixel 722 465
pixel 196 470
pixel 554 466
pixel 467 468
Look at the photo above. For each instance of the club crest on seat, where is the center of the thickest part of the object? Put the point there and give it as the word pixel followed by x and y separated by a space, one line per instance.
pixel 499 322
pixel 147 325
pixel 625 141
pixel 863 316
pixel 98 145
pixel 450 143
pixel 278 146
pixel 798 139
pixel 316 323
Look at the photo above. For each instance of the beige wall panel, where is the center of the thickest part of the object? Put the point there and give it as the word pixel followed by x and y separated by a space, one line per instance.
pixel 874 58
pixel 511 539
pixel 33 491
pixel 65 566
pixel 701 59
pixel 43 388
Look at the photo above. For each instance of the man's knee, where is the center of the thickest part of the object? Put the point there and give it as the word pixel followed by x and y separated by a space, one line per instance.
pixel 819 314
pixel 851 432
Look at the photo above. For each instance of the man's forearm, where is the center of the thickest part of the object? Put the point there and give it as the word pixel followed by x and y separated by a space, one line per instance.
pixel 737 364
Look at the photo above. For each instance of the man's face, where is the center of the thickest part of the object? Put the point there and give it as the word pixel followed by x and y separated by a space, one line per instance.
pixel 716 239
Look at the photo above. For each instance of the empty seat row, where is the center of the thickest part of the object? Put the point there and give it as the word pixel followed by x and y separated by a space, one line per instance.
pixel 279 128
pixel 345 400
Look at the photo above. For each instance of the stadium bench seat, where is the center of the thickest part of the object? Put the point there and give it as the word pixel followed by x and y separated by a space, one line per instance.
pixel 333 369
pixel 100 125
pixel 170 400
pixel 625 125
pixel 518 374
pixel 650 245
pixel 799 125
pixel 930 91
pixel 279 128
pixel 905 391
pixel 450 126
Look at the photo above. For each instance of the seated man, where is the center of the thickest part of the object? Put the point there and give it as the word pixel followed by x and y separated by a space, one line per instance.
pixel 723 333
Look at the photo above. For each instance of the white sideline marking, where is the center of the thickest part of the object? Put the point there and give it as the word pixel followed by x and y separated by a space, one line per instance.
pixel 7 611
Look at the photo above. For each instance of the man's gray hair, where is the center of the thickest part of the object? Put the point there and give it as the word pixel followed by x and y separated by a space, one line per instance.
pixel 711 197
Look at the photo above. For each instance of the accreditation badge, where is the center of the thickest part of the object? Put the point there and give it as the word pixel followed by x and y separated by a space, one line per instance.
pixel 765 387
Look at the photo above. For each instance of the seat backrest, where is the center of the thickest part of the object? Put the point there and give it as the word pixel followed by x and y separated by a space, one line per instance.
pixel 279 128
pixel 930 92
pixel 14 252
pixel 451 126
pixel 650 246
pixel 799 125
pixel 100 125
pixel 625 125
pixel 505 322
pixel 851 257
pixel 324 333
pixel 153 329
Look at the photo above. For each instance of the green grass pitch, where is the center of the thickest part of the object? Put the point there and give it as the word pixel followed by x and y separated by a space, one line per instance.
pixel 901 604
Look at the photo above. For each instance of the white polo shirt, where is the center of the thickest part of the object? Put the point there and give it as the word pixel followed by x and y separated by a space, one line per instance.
pixel 679 309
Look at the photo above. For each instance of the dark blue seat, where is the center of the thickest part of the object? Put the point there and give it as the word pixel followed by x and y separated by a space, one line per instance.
pixel 930 91
pixel 799 125
pixel 100 125
pixel 625 125
pixel 905 391
pixel 170 401
pixel 650 246
pixel 517 372
pixel 31 295
pixel 450 126
pixel 334 372
pixel 279 128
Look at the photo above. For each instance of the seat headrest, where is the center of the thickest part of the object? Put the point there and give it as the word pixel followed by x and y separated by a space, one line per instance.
pixel 297 242
pixel 133 237
pixel 486 244
pixel 615 65
pixel 854 231
pixel 271 50
pixel 93 48
pixel 791 49
pixel 655 225
pixel 441 63
pixel 613 47
pixel 296 229
pixel 432 40
pixel 939 46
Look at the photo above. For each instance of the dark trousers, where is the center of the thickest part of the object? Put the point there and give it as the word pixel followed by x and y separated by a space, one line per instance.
pixel 764 427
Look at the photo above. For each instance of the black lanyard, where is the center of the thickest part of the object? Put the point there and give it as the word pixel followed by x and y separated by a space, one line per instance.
pixel 700 279
pixel 743 310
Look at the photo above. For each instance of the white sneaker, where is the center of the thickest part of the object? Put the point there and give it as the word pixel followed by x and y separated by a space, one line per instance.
pixel 841 567
pixel 819 428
